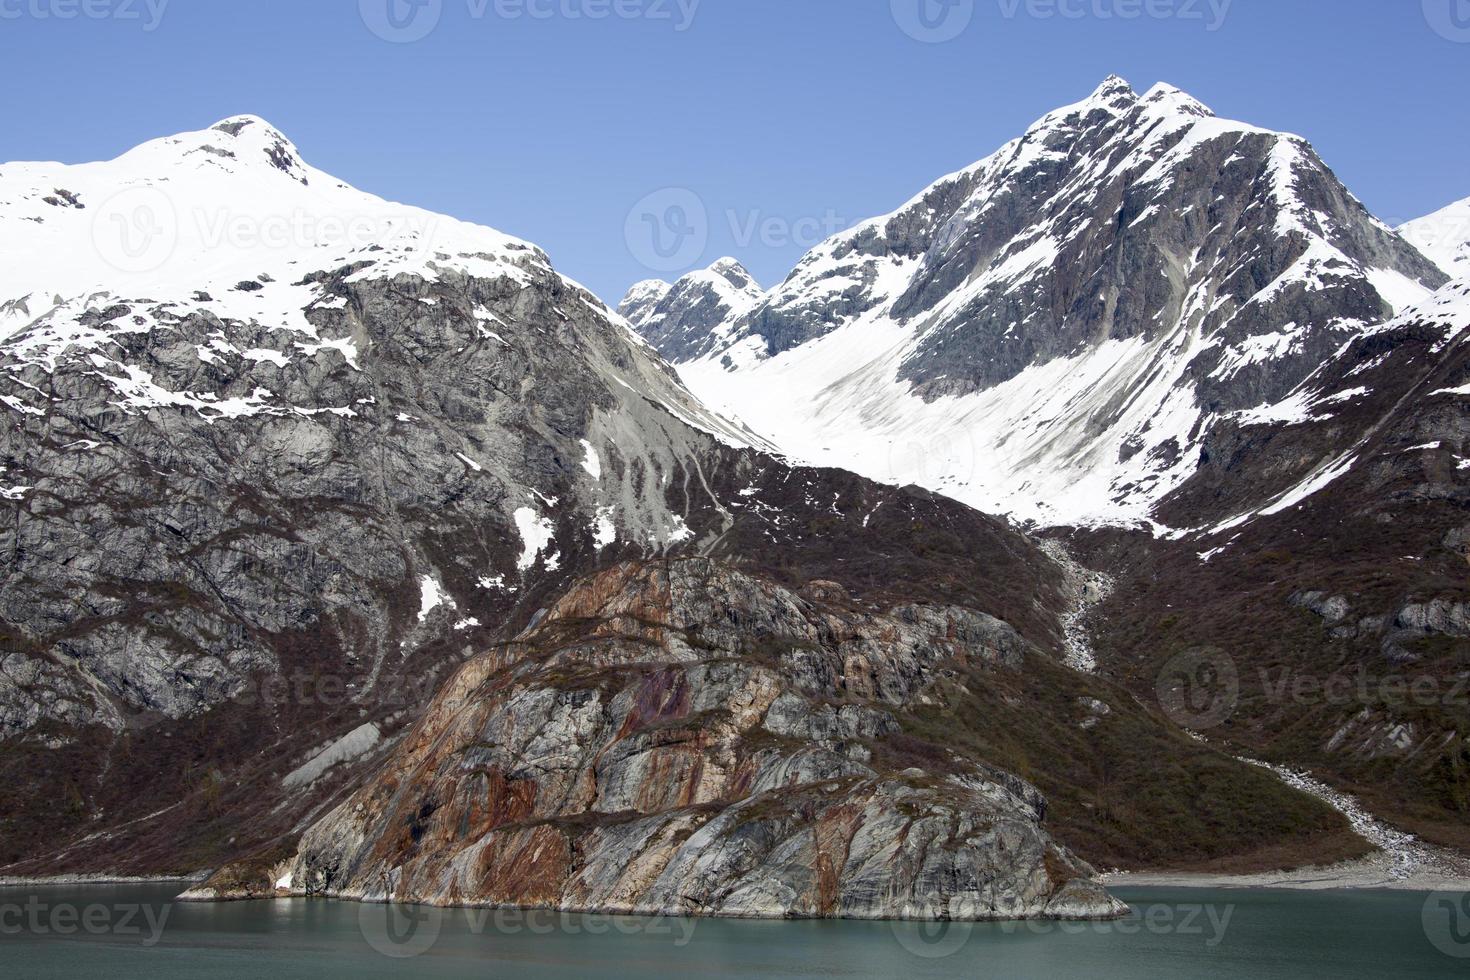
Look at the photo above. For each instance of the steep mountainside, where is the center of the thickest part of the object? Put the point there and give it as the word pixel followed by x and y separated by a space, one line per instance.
pixel 282 476
pixel 1328 596
pixel 1054 331
pixel 1444 236
pixel 688 319
pixel 280 458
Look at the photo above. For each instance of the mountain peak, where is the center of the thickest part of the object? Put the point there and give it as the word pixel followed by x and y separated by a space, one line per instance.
pixel 1175 100
pixel 677 319
pixel 938 326
pixel 252 135
pixel 1113 87
pixel 732 271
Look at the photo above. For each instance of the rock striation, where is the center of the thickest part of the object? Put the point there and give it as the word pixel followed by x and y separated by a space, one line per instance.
pixel 679 737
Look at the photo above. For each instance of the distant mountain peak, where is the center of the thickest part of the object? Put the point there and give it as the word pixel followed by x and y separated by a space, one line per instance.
pixel 679 320
pixel 1113 87
pixel 733 271
pixel 1055 329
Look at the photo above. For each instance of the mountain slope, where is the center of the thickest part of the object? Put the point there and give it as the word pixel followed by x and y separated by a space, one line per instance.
pixel 1327 575
pixel 1052 331
pixel 1444 236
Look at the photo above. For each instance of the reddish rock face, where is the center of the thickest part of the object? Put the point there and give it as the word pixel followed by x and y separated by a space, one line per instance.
pixel 680 737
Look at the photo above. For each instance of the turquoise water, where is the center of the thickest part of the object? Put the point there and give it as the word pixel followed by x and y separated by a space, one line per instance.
pixel 136 931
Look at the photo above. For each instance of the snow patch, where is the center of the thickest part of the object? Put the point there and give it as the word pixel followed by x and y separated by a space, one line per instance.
pixel 431 597
pixel 536 533
pixel 354 745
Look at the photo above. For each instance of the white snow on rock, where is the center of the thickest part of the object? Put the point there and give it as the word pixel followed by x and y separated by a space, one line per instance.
pixel 431 597
pixel 1444 236
pixel 536 533
pixel 591 462
pixel 604 531
pixel 353 745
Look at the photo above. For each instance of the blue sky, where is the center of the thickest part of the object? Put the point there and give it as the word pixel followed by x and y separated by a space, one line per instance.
pixel 769 121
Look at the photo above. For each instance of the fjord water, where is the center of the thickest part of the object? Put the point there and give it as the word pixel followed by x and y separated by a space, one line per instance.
pixel 138 931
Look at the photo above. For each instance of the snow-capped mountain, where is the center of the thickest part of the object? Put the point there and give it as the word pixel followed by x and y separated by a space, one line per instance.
pixel 262 427
pixel 685 320
pixel 1053 332
pixel 308 491
pixel 1444 236
pixel 280 458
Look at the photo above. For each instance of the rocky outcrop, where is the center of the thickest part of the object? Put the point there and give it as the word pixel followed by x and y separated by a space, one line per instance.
pixel 681 737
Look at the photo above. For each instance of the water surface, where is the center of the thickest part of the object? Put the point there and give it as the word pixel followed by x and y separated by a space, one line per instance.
pixel 129 931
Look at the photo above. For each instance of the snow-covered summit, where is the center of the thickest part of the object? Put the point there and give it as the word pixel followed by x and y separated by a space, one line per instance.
pixel 1052 331
pixel 638 303
pixel 232 212
pixel 682 320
